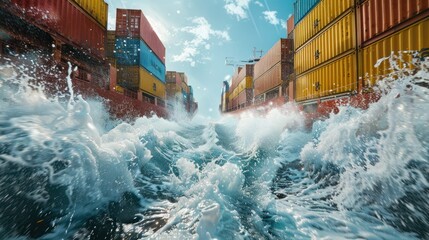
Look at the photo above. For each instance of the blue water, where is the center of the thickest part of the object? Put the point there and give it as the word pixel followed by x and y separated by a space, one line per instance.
pixel 68 171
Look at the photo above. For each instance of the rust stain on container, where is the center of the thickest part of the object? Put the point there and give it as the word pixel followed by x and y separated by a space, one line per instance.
pixel 337 39
pixel 413 38
pixel 378 16
pixel 339 76
pixel 134 24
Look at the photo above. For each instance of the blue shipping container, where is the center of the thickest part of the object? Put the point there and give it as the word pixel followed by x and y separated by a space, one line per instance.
pixel 302 8
pixel 131 52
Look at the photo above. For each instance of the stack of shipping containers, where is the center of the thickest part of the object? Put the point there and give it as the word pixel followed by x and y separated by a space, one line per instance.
pixel 386 27
pixel 273 72
pixel 179 93
pixel 224 99
pixel 140 57
pixel 241 91
pixel 337 44
pixel 78 35
pixel 325 50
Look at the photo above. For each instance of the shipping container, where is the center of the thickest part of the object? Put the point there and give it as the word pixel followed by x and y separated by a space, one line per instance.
pixel 241 74
pixel 290 25
pixel 110 44
pixel 282 51
pixel 245 98
pixel 174 77
pixel 135 52
pixel 378 16
pixel 302 8
pixel 96 8
pixel 246 83
pixel 137 78
pixel 337 39
pixel 269 80
pixel 413 38
pixel 113 78
pixel 134 24
pixel 336 77
pixel 66 22
pixel 317 19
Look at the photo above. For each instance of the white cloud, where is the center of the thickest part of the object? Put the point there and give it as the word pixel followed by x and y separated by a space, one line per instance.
pixel 237 8
pixel 259 4
pixel 202 32
pixel 271 17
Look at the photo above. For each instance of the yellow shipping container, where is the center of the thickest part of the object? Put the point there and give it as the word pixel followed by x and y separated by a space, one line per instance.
pixel 414 38
pixel 246 83
pixel 96 8
pixel 339 76
pixel 151 84
pixel 337 39
pixel 135 77
pixel 318 18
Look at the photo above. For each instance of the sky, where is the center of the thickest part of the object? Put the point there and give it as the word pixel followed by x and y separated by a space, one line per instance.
pixel 199 35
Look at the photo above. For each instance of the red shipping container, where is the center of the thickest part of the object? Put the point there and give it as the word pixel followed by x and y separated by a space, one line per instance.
pixel 66 22
pixel 113 78
pixel 133 23
pixel 282 51
pixel 378 16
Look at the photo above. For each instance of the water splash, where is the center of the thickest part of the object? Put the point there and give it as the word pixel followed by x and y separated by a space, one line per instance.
pixel 67 172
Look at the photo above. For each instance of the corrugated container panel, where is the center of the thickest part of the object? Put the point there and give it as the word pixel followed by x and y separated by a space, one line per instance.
pixel 338 39
pixel 318 18
pixel 339 76
pixel 378 16
pixel 268 80
pixel 413 38
pixel 63 18
pixel 96 8
pixel 302 7
pixel 134 24
pixel 240 75
pixel 290 25
pixel 136 77
pixel 129 77
pixel 245 97
pixel 151 85
pixel 110 44
pixel 282 51
pixel 136 52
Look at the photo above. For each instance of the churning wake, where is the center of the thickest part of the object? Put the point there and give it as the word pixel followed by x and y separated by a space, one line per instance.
pixel 68 171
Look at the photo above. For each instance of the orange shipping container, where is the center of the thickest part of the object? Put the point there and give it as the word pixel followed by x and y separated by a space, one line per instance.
pixel 282 51
pixel 378 16
pixel 413 38
pixel 290 25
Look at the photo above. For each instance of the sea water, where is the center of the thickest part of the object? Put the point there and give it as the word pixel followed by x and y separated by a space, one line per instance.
pixel 69 171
